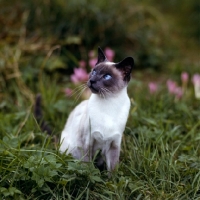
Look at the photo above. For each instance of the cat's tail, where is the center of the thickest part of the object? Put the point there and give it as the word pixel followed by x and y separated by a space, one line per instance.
pixel 39 116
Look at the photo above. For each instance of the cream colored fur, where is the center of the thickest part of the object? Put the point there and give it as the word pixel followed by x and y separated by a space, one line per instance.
pixel 97 124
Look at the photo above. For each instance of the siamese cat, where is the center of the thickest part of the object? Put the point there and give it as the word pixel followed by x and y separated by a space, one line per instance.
pixel 98 123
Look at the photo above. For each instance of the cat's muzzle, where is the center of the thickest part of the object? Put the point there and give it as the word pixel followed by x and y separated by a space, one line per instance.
pixel 93 89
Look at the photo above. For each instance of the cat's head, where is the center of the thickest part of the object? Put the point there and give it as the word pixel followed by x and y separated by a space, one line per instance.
pixel 108 77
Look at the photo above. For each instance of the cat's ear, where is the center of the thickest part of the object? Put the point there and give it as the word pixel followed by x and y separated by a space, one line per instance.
pixel 101 56
pixel 126 66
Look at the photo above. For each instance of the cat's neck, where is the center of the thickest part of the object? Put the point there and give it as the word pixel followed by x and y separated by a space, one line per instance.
pixel 108 108
pixel 111 96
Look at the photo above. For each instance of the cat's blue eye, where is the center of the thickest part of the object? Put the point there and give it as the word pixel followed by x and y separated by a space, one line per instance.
pixel 93 72
pixel 107 76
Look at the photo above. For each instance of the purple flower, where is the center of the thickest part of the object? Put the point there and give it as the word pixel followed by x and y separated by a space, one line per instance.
pixel 91 54
pixel 178 92
pixel 174 89
pixel 196 82
pixel 92 62
pixel 68 92
pixel 171 85
pixel 110 54
pixel 82 64
pixel 153 87
pixel 184 77
pixel 196 78
pixel 79 75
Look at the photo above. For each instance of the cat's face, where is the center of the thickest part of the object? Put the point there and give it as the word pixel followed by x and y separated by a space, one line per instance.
pixel 109 78
pixel 105 78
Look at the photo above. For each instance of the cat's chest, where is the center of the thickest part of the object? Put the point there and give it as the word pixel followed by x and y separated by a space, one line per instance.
pixel 108 117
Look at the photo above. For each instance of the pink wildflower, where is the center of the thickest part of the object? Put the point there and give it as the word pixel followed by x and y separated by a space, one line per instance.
pixel 74 79
pixel 110 54
pixel 153 87
pixel 174 89
pixel 91 54
pixel 178 92
pixel 68 92
pixel 196 82
pixel 79 75
pixel 184 77
pixel 92 62
pixel 82 64
pixel 196 78
pixel 171 85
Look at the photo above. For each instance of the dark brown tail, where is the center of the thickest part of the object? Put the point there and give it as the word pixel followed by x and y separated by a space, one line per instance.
pixel 39 116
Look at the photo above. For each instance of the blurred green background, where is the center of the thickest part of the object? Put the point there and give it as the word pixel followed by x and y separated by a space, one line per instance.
pixel 41 42
pixel 158 34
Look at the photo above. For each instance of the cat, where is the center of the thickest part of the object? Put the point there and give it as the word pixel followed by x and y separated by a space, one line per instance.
pixel 99 122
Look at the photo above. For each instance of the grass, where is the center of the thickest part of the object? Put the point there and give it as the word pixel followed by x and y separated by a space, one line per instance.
pixel 160 155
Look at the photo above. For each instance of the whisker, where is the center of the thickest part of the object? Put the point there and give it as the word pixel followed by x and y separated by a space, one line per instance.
pixel 80 86
pixel 107 90
pixel 102 94
pixel 78 89
pixel 79 95
pixel 102 91
pixel 77 92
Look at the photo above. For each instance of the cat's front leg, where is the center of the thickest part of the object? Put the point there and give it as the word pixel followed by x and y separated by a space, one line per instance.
pixel 88 150
pixel 112 156
pixel 88 154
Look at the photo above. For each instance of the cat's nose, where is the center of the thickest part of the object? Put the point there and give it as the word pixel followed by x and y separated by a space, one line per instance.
pixel 92 81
